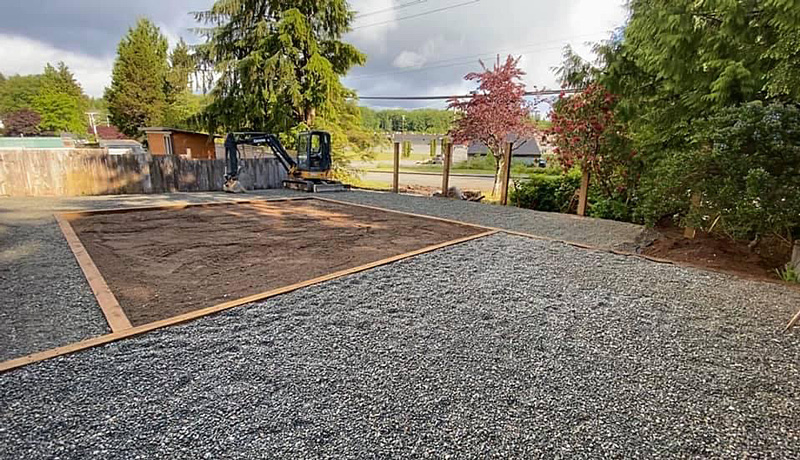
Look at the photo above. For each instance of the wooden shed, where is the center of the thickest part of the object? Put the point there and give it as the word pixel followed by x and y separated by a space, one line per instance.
pixel 187 144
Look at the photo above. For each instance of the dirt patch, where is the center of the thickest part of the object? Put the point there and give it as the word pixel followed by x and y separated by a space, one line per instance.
pixel 719 253
pixel 162 263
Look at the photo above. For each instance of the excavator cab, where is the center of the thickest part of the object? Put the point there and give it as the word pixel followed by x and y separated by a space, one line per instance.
pixel 314 151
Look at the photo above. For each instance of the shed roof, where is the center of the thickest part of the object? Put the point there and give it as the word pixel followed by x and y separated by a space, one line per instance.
pixel 162 129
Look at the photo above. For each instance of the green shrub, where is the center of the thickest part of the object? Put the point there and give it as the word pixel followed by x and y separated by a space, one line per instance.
pixel 744 165
pixel 788 273
pixel 545 192
pixel 609 208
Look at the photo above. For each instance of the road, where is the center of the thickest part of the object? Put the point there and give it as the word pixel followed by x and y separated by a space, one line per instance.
pixel 464 182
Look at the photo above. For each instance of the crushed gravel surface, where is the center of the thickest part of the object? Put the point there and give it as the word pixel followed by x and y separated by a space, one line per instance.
pixel 46 299
pixel 593 232
pixel 500 347
pixel 52 304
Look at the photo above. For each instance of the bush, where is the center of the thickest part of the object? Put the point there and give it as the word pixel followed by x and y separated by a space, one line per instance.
pixel 544 192
pixel 615 208
pixel 744 166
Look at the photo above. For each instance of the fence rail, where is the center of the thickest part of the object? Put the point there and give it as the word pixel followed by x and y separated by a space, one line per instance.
pixel 71 172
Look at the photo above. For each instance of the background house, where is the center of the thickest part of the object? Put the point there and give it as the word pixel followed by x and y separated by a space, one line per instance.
pixel 528 151
pixel 173 141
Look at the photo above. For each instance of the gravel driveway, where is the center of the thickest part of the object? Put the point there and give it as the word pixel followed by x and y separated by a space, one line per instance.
pixel 564 227
pixel 500 347
pixel 51 303
pixel 46 299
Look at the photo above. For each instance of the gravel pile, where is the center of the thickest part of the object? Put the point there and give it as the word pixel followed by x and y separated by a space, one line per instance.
pixel 499 347
pixel 46 299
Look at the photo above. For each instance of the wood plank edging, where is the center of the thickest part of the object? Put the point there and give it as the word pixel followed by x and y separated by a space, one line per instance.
pixel 115 317
pixel 133 331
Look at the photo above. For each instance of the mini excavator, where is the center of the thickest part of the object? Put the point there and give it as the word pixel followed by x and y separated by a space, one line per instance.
pixel 310 171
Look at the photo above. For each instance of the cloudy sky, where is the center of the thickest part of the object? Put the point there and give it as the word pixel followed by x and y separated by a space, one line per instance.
pixel 414 47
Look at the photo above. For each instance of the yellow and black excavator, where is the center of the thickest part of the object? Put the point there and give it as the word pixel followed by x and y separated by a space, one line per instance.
pixel 309 171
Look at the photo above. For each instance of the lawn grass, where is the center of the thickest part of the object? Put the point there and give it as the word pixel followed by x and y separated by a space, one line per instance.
pixel 389 156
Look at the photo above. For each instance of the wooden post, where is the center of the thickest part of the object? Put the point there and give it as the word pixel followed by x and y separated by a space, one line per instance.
pixel 691 232
pixel 396 173
pixel 795 261
pixel 583 196
pixel 505 177
pixel 447 158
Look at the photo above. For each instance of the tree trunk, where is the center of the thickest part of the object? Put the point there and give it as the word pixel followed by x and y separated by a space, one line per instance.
pixel 498 179
pixel 309 115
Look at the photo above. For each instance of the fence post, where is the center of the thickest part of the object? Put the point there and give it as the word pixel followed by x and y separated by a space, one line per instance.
pixel 396 172
pixel 583 195
pixel 447 159
pixel 506 173
pixel 691 232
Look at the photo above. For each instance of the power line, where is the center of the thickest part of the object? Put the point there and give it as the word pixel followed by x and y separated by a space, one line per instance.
pixel 438 10
pixel 463 60
pixel 543 92
pixel 393 8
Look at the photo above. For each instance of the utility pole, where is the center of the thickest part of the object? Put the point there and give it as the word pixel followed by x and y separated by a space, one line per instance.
pixel 92 123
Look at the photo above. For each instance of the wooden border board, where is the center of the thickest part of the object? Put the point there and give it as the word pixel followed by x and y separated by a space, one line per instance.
pixel 130 332
pixel 115 317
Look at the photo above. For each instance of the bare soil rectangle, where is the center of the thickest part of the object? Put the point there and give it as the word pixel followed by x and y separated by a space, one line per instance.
pixel 162 263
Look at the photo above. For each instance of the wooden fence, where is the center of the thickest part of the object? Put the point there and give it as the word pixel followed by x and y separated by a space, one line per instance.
pixel 70 172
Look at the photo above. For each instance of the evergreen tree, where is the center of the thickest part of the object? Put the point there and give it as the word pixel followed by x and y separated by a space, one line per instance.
pixel 182 104
pixel 136 97
pixel 181 68
pixel 278 62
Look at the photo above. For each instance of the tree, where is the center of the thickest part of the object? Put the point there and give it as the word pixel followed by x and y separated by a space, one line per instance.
pixel 586 133
pixel 574 71
pixel 183 106
pixel 496 112
pixel 277 62
pixel 181 67
pixel 23 122
pixel 61 101
pixel 18 92
pixel 60 113
pixel 136 96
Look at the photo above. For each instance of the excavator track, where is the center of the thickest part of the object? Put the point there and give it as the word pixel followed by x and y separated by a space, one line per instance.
pixel 315 186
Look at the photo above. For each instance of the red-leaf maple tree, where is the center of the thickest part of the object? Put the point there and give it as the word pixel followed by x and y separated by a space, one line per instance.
pixel 585 133
pixel 496 113
pixel 22 122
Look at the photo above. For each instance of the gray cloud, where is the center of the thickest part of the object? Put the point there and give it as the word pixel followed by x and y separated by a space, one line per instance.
pixel 93 27
pixel 425 55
